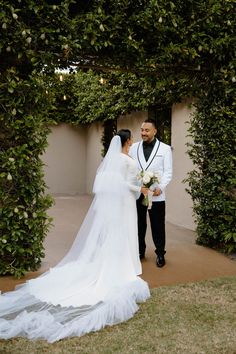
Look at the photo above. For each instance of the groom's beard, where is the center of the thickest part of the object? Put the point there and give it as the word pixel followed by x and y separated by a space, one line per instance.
pixel 147 139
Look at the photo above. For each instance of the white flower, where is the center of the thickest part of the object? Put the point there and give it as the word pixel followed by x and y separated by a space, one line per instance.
pixel 25 215
pixel 11 159
pixel 9 177
pixel 4 25
pixel 150 174
pixel 4 241
pixel 43 36
pixel 15 16
pixel 28 40
pixel 233 79
pixel 146 179
pixel 16 210
pixel 160 20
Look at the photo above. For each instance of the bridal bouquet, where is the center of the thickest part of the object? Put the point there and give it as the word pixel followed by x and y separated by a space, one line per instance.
pixel 148 178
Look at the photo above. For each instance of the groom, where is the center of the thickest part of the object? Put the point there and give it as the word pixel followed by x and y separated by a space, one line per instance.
pixel 153 155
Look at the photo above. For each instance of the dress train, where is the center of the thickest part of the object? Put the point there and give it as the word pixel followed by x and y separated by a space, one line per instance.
pixel 97 283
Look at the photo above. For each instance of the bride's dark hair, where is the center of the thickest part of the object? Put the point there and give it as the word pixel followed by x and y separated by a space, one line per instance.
pixel 124 135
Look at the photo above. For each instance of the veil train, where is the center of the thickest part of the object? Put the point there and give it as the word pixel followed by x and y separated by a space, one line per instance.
pixel 96 283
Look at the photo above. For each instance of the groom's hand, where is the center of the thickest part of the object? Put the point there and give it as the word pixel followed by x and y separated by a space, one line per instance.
pixel 157 192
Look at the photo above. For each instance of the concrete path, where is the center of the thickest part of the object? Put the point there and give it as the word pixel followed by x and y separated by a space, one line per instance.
pixel 185 261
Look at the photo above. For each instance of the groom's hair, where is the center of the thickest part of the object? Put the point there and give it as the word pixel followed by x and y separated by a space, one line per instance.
pixel 124 135
pixel 152 121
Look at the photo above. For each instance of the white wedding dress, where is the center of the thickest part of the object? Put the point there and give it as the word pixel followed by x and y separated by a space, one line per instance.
pixel 96 283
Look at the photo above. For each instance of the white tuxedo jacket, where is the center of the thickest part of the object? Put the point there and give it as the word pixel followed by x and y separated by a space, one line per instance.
pixel 159 161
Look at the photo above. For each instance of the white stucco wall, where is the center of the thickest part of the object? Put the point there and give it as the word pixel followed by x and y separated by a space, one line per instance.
pixel 133 122
pixel 64 159
pixel 179 203
pixel 93 154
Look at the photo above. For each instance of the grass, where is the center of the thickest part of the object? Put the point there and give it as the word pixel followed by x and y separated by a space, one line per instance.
pixel 196 318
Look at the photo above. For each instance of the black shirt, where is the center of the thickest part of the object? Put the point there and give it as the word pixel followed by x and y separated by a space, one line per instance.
pixel 148 147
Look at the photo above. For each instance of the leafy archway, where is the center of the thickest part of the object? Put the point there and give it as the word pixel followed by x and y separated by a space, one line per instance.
pixel 177 49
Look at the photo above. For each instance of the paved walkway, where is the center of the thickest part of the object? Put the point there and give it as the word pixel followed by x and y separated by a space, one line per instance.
pixel 185 261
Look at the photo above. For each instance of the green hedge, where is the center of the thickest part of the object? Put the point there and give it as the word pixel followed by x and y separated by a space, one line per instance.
pixel 23 204
pixel 34 35
pixel 86 97
pixel 213 182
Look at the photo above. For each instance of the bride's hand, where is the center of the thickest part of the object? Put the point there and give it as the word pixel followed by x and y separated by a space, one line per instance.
pixel 144 190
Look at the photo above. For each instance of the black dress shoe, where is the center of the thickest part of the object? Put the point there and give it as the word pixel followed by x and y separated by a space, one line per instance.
pixel 160 262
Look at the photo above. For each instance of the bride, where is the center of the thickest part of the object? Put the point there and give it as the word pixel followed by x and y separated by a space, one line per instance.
pixel 96 283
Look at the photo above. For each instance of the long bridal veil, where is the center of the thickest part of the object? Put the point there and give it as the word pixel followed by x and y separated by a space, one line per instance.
pixel 110 191
pixel 95 284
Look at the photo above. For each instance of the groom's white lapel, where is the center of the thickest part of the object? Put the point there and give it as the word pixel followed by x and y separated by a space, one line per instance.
pixel 143 164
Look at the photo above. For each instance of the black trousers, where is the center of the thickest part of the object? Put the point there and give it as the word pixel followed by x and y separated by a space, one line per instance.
pixel 157 222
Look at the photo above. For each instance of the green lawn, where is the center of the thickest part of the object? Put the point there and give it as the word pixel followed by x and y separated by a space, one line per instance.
pixel 191 318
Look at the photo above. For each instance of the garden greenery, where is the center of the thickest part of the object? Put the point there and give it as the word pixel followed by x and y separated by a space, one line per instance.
pixel 149 53
pixel 85 97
